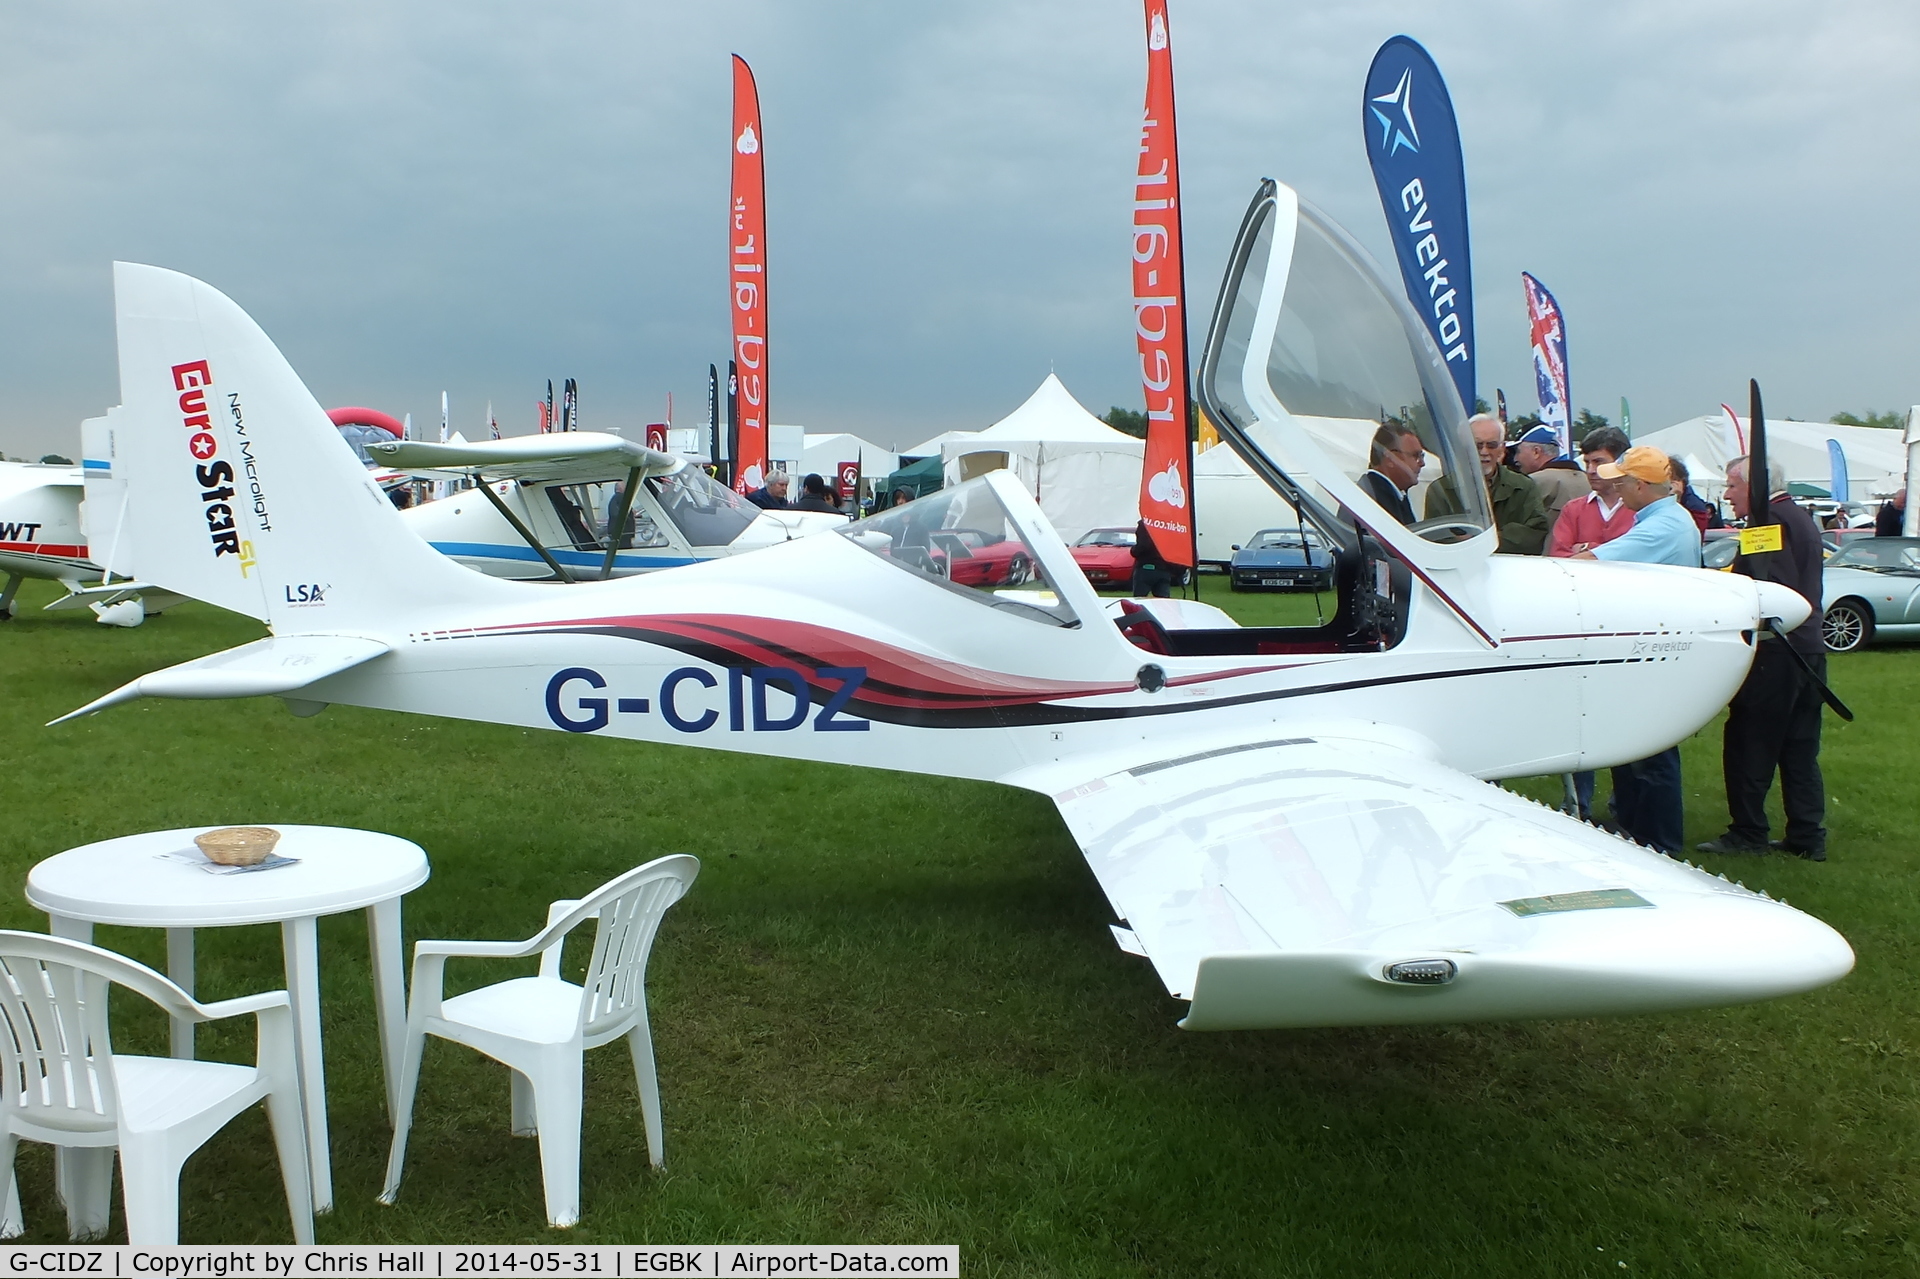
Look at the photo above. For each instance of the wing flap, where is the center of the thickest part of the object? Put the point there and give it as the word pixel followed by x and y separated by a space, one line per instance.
pixel 1276 884
pixel 281 664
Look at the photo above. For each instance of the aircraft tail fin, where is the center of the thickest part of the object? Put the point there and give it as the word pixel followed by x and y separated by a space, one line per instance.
pixel 225 481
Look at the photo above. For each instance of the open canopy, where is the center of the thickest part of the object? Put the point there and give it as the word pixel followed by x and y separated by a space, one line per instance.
pixel 1315 362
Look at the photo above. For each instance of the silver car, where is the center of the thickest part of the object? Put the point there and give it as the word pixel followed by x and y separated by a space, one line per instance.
pixel 1872 591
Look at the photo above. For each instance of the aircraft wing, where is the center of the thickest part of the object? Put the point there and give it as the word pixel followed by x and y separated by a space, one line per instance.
pixel 1325 880
pixel 568 457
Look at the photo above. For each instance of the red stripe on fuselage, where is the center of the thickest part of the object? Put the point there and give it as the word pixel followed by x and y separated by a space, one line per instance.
pixel 44 548
pixel 895 676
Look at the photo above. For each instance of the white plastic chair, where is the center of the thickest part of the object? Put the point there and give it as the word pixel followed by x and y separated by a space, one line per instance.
pixel 63 1084
pixel 542 1026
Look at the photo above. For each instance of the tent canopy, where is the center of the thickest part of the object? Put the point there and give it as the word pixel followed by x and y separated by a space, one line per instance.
pixel 825 452
pixel 1083 473
pixel 1052 414
pixel 922 477
pixel 1876 459
pixel 932 447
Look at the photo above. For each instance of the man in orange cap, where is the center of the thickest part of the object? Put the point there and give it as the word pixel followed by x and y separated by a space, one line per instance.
pixel 1647 800
pixel 1663 532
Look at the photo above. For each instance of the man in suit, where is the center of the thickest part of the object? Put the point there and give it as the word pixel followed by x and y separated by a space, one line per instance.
pixel 1395 459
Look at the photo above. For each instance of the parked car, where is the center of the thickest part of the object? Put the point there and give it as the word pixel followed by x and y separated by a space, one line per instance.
pixel 1719 548
pixel 1105 555
pixel 1282 559
pixel 969 557
pixel 1871 590
pixel 1722 545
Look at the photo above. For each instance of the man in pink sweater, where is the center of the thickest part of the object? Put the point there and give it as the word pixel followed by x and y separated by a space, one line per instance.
pixel 1600 516
pixel 1586 522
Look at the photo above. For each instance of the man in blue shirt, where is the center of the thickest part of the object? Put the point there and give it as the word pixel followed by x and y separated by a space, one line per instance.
pixel 1648 803
pixel 1663 532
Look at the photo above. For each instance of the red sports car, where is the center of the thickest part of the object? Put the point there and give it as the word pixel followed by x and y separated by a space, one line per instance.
pixel 969 557
pixel 1106 556
pixel 974 559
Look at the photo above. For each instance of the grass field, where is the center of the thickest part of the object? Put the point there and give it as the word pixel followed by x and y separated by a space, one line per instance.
pixel 890 1011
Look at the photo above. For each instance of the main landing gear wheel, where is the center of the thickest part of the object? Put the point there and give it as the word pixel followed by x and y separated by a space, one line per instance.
pixel 1847 626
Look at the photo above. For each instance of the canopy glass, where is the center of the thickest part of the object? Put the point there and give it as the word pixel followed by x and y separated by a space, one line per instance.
pixel 1316 367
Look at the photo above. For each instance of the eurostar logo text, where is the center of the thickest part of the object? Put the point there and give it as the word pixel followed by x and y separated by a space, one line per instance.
pixel 1404 134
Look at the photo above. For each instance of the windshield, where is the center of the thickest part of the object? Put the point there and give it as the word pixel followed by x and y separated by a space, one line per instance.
pixel 1273 538
pixel 585 511
pixel 1107 537
pixel 1880 554
pixel 358 437
pixel 963 539
pixel 1346 381
pixel 707 512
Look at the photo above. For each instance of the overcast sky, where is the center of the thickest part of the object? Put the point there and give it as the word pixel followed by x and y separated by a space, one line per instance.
pixel 477 197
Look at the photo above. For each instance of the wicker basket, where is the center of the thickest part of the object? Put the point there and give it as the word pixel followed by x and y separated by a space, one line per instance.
pixel 238 845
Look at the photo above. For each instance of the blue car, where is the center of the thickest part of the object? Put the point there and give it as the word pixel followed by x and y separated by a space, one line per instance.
pixel 1282 559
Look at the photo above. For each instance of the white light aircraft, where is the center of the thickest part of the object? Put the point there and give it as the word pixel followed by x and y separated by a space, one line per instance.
pixel 1295 826
pixel 42 511
pixel 542 506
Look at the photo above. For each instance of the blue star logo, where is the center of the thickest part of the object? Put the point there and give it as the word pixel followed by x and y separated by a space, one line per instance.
pixel 1394 137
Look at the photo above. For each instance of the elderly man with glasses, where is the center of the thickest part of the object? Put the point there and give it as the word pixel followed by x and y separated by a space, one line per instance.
pixel 1518 513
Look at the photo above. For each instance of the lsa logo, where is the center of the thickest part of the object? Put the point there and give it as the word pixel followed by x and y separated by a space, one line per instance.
pixel 775 699
pixel 306 594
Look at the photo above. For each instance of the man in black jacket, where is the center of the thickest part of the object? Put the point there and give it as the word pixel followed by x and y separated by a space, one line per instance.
pixel 1151 574
pixel 772 496
pixel 1891 516
pixel 814 496
pixel 1773 722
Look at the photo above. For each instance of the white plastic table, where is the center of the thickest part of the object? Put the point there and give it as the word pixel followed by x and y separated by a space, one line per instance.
pixel 129 881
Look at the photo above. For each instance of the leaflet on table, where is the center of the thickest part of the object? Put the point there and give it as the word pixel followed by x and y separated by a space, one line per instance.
pixel 273 862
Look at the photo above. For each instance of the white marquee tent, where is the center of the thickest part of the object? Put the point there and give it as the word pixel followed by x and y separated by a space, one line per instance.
pixel 933 447
pixel 823 454
pixel 1876 459
pixel 1084 474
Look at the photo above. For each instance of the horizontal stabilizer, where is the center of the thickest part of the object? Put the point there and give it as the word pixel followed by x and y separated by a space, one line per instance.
pixel 282 664
pixel 574 457
pixel 153 597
